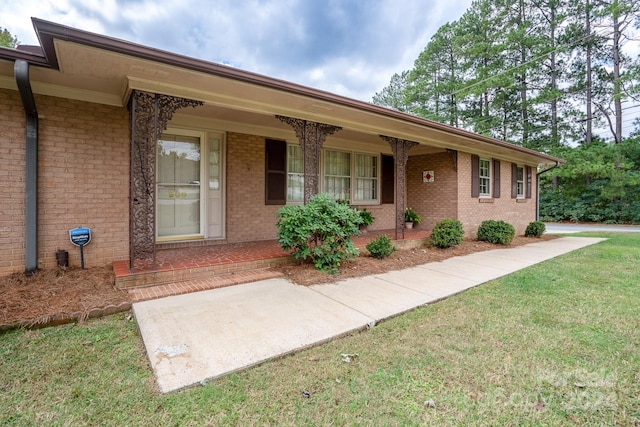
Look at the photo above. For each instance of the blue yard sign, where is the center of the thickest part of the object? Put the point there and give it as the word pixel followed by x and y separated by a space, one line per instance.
pixel 80 236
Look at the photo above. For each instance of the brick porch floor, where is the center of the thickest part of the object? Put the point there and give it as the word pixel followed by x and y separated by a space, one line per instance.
pixel 191 269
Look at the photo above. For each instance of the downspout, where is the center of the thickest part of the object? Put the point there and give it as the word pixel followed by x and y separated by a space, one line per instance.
pixel 538 188
pixel 21 71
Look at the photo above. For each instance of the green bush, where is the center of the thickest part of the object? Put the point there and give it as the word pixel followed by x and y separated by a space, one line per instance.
pixel 367 217
pixel 535 229
pixel 412 216
pixel 381 247
pixel 321 231
pixel 447 233
pixel 496 232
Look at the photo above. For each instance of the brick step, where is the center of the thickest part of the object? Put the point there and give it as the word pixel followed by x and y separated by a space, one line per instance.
pixel 178 288
pixel 126 280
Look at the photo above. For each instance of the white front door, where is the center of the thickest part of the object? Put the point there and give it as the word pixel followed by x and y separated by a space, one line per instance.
pixel 178 187
pixel 190 185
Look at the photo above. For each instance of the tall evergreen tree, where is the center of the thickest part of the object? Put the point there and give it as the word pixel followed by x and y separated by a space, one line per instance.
pixel 7 40
pixel 482 55
pixel 615 77
pixel 393 95
pixel 435 78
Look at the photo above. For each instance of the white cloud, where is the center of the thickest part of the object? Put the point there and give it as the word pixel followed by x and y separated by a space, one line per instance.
pixel 349 47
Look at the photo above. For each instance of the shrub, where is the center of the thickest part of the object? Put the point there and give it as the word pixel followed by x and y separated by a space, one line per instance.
pixel 381 247
pixel 447 233
pixel 367 217
pixel 412 216
pixel 321 231
pixel 496 232
pixel 535 229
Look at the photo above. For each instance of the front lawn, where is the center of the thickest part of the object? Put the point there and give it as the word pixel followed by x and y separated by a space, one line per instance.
pixel 554 344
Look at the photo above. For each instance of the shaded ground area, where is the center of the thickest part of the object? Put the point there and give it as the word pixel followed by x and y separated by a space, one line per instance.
pixel 52 295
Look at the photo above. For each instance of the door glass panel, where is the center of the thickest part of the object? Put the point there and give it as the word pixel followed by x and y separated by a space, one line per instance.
pixel 215 207
pixel 214 164
pixel 178 185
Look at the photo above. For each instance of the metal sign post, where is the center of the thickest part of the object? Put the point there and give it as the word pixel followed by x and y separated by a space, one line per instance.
pixel 80 236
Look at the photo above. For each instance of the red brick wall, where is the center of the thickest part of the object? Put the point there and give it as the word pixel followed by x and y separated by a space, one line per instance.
pixel 248 218
pixel 83 180
pixel 12 156
pixel 472 211
pixel 385 216
pixel 434 201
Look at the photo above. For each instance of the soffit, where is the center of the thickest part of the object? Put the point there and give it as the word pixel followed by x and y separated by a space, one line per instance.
pixel 7 80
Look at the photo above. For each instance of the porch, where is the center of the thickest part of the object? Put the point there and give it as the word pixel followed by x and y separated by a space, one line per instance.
pixel 196 268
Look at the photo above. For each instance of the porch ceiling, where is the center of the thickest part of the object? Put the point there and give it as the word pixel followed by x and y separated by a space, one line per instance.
pixel 100 69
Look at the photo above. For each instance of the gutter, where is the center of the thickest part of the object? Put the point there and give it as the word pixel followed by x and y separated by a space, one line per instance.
pixel 538 188
pixel 21 71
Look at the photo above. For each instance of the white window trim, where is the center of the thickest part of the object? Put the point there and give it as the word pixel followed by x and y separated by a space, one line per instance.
pixel 486 195
pixel 352 165
pixel 520 192
pixel 288 201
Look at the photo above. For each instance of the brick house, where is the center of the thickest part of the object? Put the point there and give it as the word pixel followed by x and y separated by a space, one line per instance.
pixel 152 149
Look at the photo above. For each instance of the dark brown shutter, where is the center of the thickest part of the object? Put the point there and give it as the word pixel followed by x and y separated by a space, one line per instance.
pixel 514 180
pixel 475 176
pixel 275 172
pixel 496 178
pixel 529 180
pixel 388 181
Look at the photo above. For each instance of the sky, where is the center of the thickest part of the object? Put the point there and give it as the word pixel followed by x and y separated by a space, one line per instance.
pixel 347 47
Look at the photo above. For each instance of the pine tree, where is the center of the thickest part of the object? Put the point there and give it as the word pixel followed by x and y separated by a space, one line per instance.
pixel 7 40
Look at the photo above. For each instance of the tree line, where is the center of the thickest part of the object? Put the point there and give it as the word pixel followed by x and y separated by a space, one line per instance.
pixel 558 76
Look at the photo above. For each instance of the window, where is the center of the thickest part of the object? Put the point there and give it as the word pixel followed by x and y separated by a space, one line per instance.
pixel 366 178
pixel 344 175
pixel 357 182
pixel 337 174
pixel 485 178
pixel 295 174
pixel 519 181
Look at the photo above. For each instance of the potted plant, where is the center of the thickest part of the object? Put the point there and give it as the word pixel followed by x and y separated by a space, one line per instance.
pixel 367 219
pixel 411 217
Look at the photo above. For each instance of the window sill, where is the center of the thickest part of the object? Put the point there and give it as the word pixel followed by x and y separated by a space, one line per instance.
pixel 521 200
pixel 485 200
pixel 365 203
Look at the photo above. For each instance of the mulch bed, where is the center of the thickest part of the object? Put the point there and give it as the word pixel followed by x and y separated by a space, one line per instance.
pixel 59 296
pixel 303 273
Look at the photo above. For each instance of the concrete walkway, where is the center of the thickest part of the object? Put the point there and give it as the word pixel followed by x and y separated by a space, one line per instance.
pixel 204 335
pixel 564 228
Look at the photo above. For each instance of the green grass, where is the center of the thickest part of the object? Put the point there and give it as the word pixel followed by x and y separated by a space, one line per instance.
pixel 555 344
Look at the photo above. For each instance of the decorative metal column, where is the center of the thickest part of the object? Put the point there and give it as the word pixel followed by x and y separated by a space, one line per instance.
pixel 400 148
pixel 311 136
pixel 454 158
pixel 149 114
